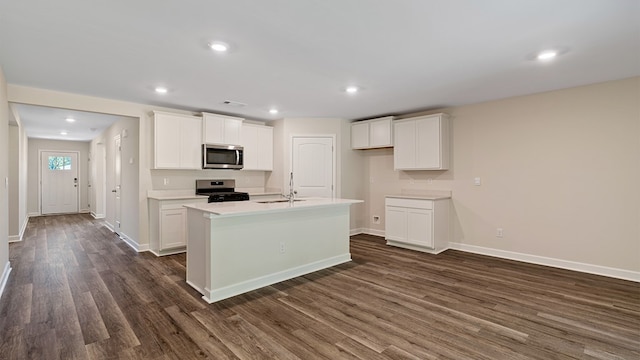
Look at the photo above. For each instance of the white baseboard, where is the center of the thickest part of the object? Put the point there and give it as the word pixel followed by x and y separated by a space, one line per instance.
pixel 84 211
pixel 97 216
pixel 369 231
pixel 5 277
pixel 558 263
pixel 214 295
pixel 23 228
pixel 133 244
pixel 33 214
pixel 355 231
pixel 109 226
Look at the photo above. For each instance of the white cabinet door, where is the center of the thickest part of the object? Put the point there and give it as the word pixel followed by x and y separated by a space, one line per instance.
pixel 173 228
pixel 265 148
pixel 371 134
pixel 221 129
pixel 422 143
pixel 250 144
pixel 257 141
pixel 177 141
pixel 404 151
pixel 232 131
pixel 420 227
pixel 428 143
pixel 360 135
pixel 166 142
pixel 190 147
pixel 381 133
pixel 395 223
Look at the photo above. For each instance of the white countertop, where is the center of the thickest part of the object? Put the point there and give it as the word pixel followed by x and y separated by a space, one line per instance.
pixel 239 208
pixel 426 195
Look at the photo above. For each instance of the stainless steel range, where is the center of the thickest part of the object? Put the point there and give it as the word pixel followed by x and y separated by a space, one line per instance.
pixel 220 190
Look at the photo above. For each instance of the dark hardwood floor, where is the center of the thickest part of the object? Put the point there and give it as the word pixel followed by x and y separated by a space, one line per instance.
pixel 78 292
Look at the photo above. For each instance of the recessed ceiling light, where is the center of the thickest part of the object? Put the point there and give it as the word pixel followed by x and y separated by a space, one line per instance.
pixel 352 89
pixel 273 111
pixel 547 55
pixel 63 132
pixel 219 46
pixel 161 90
pixel 70 120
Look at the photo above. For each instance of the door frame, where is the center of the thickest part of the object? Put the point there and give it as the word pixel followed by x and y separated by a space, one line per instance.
pixel 334 158
pixel 40 151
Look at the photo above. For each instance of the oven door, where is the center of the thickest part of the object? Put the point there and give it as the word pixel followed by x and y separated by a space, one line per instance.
pixel 222 156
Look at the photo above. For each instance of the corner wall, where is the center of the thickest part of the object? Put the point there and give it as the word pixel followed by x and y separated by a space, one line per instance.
pixel 560 173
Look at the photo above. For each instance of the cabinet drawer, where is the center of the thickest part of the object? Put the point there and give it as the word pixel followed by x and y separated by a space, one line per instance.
pixel 410 203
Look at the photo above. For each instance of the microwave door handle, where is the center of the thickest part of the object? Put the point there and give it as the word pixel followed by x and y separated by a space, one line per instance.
pixel 237 157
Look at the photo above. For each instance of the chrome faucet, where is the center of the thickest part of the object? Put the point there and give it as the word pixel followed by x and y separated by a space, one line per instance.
pixel 292 193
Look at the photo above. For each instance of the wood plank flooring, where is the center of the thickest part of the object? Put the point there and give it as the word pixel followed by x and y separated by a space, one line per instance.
pixel 78 292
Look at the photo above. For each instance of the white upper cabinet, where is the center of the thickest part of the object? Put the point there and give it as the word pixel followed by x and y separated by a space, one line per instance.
pixel 370 134
pixel 176 144
pixel 221 129
pixel 422 143
pixel 257 141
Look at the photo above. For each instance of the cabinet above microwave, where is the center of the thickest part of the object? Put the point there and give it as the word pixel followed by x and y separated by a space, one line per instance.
pixel 221 129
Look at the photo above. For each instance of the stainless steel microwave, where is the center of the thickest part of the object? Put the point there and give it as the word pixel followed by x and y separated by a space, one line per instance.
pixel 215 156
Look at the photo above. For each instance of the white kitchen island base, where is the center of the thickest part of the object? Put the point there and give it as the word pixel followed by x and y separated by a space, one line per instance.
pixel 230 252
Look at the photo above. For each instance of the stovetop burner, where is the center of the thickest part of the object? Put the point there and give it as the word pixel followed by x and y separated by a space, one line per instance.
pixel 220 190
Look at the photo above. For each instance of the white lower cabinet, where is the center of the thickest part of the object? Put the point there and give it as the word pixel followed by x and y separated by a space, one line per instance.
pixel 417 224
pixel 168 225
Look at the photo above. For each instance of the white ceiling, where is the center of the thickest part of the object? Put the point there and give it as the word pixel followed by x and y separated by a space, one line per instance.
pixel 298 55
pixel 48 123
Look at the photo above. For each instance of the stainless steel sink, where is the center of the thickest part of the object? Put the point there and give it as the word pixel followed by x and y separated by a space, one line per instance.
pixel 276 201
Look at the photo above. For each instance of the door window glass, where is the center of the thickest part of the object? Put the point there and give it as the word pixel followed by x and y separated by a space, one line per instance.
pixel 59 162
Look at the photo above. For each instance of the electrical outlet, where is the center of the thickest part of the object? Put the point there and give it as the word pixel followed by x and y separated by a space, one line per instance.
pixel 499 232
pixel 376 219
pixel 165 181
pixel 477 181
pixel 283 248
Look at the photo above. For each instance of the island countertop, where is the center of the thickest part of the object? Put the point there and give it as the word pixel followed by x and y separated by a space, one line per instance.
pixel 240 208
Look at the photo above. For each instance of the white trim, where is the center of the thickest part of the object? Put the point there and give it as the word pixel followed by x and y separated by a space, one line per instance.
pixel 415 247
pixel 132 243
pixel 97 216
pixel 355 231
pixel 109 226
pixel 16 238
pixel 5 277
pixel 375 232
pixel 31 214
pixel 212 296
pixel 168 252
pixel 558 263
pixel 84 211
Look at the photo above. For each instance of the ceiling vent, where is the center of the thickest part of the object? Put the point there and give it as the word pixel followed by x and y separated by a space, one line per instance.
pixel 234 103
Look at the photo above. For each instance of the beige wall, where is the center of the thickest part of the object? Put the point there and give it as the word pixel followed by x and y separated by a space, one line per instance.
pixel 4 175
pixel 348 163
pixel 33 161
pixel 560 174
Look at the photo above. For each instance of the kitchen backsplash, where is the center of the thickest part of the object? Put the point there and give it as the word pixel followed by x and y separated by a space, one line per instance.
pixel 185 179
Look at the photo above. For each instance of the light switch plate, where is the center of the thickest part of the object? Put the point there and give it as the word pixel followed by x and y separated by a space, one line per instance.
pixel 477 181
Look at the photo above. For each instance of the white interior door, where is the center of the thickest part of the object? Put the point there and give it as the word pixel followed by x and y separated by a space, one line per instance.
pixel 117 173
pixel 59 186
pixel 313 166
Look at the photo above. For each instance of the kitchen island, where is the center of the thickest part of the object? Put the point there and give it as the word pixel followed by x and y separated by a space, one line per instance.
pixel 235 247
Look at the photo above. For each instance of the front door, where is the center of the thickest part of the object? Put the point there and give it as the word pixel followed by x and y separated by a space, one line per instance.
pixel 59 186
pixel 313 166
